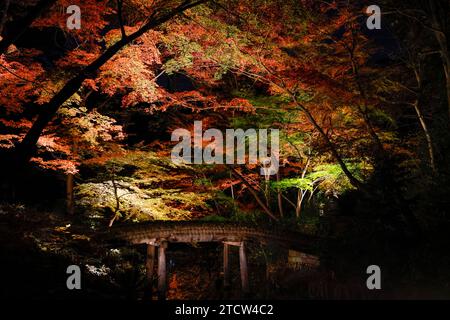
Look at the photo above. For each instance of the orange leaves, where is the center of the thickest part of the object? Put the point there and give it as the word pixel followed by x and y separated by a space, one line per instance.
pixel 18 82
pixel 91 84
pixel 241 104
pixel 52 144
pixel 20 124
pixel 66 166
pixel 131 72
pixel 193 100
pixel 77 58
pixel 93 18
pixel 115 35
pixel 7 141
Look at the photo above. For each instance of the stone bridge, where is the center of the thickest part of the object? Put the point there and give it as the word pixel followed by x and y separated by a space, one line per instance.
pixel 160 234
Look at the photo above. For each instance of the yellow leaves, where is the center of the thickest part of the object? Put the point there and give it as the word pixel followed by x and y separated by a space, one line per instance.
pixel 80 237
pixel 66 166
pixel 276 90
pixel 63 229
pixel 66 231
pixel 89 129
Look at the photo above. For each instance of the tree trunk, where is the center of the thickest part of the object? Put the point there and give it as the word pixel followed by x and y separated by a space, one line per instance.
pixel 298 207
pixel 301 194
pixel 280 197
pixel 439 15
pixel 423 124
pixel 3 14
pixel 446 64
pixel 427 136
pixel 26 148
pixel 354 182
pixel 69 194
pixel 364 112
pixel 117 198
pixel 254 194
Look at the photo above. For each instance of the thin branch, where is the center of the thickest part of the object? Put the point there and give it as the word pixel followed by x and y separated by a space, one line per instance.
pixel 22 78
pixel 119 14
pixel 253 192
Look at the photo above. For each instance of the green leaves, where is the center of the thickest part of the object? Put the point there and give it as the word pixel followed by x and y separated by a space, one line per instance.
pixel 325 177
pixel 297 183
pixel 183 49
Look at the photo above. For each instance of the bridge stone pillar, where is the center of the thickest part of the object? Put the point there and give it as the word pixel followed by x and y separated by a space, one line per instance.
pixel 226 265
pixel 162 272
pixel 243 267
pixel 150 270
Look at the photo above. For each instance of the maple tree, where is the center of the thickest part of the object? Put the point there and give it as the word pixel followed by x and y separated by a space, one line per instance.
pixel 301 66
pixel 25 149
pixel 87 116
pixel 307 72
pixel 25 22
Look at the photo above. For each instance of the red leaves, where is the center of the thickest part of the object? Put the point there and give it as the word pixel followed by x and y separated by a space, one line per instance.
pixel 240 104
pixel 18 82
pixel 193 100
pixel 280 52
pixel 93 20
pixel 76 59
pixel 90 84
pixel 50 143
pixel 66 166
pixel 131 72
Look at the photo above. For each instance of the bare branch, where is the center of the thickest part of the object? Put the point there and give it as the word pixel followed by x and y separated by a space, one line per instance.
pixel 119 14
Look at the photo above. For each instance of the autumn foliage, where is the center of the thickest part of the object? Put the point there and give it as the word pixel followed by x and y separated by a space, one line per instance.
pixel 307 68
